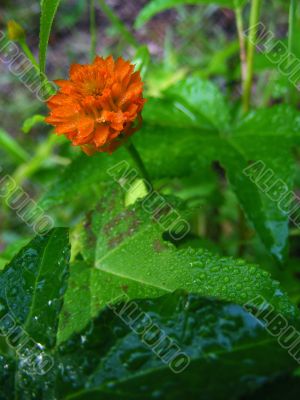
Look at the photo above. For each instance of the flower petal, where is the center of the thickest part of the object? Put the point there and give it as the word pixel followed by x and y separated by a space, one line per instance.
pixel 85 126
pixel 101 134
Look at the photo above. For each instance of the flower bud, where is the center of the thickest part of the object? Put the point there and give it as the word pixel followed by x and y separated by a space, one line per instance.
pixel 15 31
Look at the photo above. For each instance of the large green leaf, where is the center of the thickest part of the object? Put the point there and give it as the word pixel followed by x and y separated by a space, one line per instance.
pixel 84 175
pixel 116 359
pixel 76 313
pixel 236 154
pixel 154 267
pixel 11 250
pixel 155 143
pixel 268 136
pixel 168 113
pixel 156 6
pixel 33 283
pixel 270 221
pixel 203 101
pixel 48 11
pixel 277 389
pixel 32 287
pixel 6 377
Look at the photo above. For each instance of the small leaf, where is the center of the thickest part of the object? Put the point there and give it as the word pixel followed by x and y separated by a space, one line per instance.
pixel 48 11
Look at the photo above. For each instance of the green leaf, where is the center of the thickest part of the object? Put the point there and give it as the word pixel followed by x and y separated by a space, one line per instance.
pixel 116 358
pixel 277 389
pixel 32 286
pixel 270 222
pixel 235 154
pixel 83 174
pixel 273 223
pixel 179 144
pixel 8 144
pixel 76 311
pixel 6 377
pixel 156 6
pixel 154 267
pixel 48 11
pixel 203 99
pixel 33 283
pixel 171 113
pixel 258 137
pixel 87 174
pixel 11 250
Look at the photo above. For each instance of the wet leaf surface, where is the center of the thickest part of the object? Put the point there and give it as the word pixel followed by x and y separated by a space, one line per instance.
pixel 129 257
pixel 116 356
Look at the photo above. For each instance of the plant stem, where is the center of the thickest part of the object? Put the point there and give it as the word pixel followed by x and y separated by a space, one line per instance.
pixel 243 233
pixel 254 17
pixel 291 41
pixel 28 52
pixel 93 31
pixel 118 24
pixel 247 65
pixel 138 161
pixel 12 147
pixel 31 58
pixel 240 30
pixel 292 25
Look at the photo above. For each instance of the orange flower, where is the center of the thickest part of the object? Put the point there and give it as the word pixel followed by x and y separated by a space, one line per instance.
pixel 96 109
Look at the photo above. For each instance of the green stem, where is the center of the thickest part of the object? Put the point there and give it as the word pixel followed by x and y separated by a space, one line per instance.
pixel 247 75
pixel 240 30
pixel 118 24
pixel 28 52
pixel 138 161
pixel 93 31
pixel 292 25
pixel 292 41
pixel 254 17
pixel 42 153
pixel 31 58
pixel 12 147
